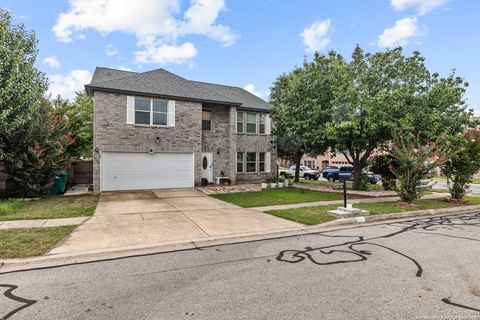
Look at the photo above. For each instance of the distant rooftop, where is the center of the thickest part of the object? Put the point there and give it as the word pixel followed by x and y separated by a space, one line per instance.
pixel 161 82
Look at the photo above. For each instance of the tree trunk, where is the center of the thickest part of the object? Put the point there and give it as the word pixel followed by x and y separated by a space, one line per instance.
pixel 298 158
pixel 357 172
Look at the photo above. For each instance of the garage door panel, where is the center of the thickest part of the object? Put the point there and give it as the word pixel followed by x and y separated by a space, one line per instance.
pixel 126 171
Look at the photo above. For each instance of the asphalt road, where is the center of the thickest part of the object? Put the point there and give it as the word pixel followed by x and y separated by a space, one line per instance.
pixel 422 269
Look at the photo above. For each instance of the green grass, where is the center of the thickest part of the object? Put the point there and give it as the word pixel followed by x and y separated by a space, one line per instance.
pixel 20 243
pixel 49 207
pixel 270 197
pixel 316 182
pixel 318 214
pixel 475 180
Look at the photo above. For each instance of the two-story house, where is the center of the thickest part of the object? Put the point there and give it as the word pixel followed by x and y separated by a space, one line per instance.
pixel 158 130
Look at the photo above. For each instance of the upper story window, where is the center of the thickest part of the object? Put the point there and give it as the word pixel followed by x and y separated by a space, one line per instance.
pixel 151 111
pixel 261 123
pixel 160 112
pixel 240 121
pixel 251 122
pixel 206 120
pixel 142 110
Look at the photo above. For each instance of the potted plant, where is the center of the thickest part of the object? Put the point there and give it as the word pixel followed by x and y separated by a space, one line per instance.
pixel 273 182
pixel 281 182
pixel 266 184
pixel 286 182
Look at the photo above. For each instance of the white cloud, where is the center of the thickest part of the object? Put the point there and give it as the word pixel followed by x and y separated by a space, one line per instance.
pixel 316 37
pixel 110 50
pixel 422 6
pixel 400 33
pixel 52 62
pixel 165 54
pixel 67 85
pixel 251 88
pixel 153 22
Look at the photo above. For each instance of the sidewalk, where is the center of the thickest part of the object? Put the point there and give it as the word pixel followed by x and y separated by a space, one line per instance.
pixel 42 223
pixel 340 202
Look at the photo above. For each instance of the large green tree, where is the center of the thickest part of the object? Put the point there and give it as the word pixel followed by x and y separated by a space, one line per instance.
pixel 376 94
pixel 21 84
pixel 301 102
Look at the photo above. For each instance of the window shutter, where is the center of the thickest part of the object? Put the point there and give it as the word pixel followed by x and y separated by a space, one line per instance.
pixel 268 160
pixel 171 113
pixel 268 127
pixel 130 110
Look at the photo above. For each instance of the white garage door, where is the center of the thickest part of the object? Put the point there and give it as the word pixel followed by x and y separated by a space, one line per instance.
pixel 127 171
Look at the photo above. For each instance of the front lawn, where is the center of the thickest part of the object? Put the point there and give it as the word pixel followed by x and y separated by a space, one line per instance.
pixel 319 214
pixel 475 180
pixel 270 197
pixel 20 243
pixel 49 207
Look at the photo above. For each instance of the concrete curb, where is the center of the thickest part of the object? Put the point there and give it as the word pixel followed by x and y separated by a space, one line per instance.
pixel 56 260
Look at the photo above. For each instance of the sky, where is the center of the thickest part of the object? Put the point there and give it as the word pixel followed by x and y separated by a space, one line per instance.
pixel 242 43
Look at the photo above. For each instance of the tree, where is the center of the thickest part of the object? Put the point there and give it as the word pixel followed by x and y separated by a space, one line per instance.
pixel 462 165
pixel 32 138
pixel 374 94
pixel 21 84
pixel 301 102
pixel 79 113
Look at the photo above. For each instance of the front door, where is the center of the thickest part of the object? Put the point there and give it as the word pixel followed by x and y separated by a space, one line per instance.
pixel 207 166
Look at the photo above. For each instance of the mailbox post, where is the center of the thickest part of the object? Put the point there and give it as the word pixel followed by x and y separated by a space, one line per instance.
pixel 344 181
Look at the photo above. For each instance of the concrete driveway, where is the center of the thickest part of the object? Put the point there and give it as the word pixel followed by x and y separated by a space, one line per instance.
pixel 137 218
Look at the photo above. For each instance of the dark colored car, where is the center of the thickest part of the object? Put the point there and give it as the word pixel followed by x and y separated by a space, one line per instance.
pixel 346 172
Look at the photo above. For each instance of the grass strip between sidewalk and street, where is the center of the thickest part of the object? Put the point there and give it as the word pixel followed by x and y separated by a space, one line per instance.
pixel 269 197
pixel 48 207
pixel 319 214
pixel 29 242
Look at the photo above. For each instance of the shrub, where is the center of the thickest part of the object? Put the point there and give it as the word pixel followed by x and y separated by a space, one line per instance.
pixel 415 162
pixel 383 164
pixel 460 169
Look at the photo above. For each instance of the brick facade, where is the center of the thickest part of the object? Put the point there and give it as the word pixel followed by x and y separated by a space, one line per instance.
pixel 112 133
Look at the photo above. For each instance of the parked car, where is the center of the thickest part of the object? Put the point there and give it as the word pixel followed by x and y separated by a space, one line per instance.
pixel 305 172
pixel 347 173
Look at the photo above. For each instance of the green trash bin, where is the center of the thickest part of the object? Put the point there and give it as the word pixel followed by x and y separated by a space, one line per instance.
pixel 59 184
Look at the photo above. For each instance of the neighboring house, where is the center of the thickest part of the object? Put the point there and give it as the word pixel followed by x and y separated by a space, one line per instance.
pixel 158 130
pixel 324 160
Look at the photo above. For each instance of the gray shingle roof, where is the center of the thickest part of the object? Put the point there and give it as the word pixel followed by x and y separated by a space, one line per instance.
pixel 248 100
pixel 163 83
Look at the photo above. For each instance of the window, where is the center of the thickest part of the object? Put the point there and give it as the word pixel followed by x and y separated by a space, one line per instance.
pixel 151 111
pixel 251 122
pixel 240 120
pixel 142 110
pixel 261 162
pixel 251 162
pixel 240 161
pixel 207 120
pixel 261 121
pixel 160 112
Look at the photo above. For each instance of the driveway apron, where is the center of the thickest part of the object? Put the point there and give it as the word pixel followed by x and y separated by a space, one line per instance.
pixel 150 217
